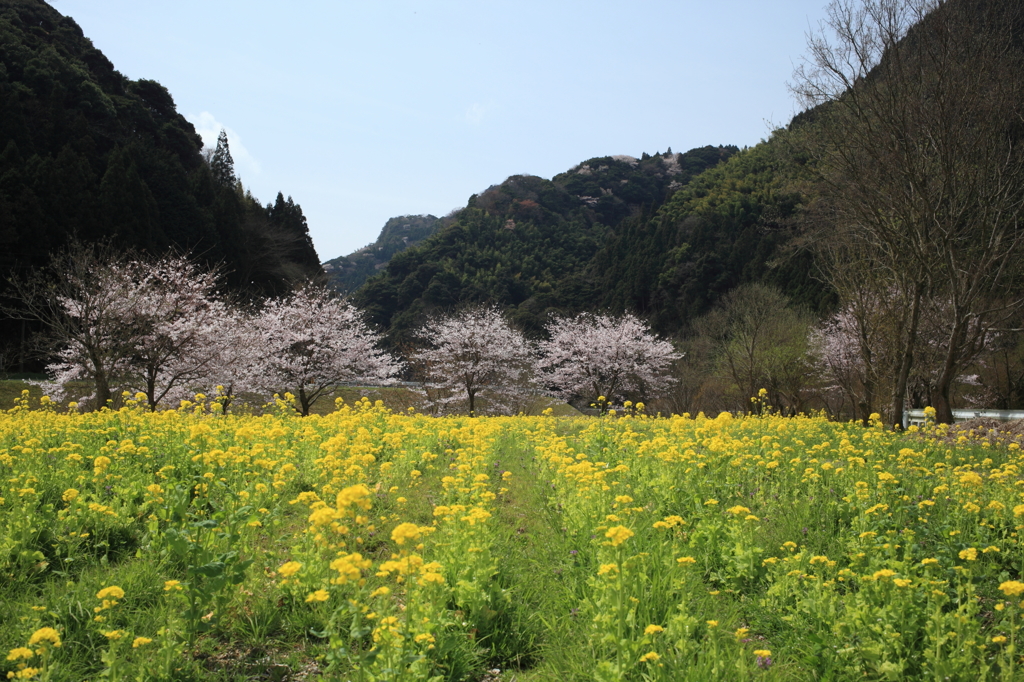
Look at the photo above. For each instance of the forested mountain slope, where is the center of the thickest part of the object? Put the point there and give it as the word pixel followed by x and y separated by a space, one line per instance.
pixel 731 225
pixel 347 273
pixel 664 235
pixel 528 243
pixel 86 152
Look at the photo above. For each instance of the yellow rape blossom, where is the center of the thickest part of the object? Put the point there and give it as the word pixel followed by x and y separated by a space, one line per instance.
pixel 969 554
pixel 19 653
pixel 289 569
pixel 112 592
pixel 406 532
pixel 1012 588
pixel 618 535
pixel 431 577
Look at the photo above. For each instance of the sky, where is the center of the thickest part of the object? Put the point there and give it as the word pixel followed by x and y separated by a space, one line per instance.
pixel 365 111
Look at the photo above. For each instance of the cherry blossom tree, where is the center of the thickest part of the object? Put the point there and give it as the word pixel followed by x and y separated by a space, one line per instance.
pixel 310 342
pixel 237 367
pixel 178 318
pixel 475 354
pixel 157 326
pixel 86 302
pixel 589 356
pixel 838 351
pixel 123 322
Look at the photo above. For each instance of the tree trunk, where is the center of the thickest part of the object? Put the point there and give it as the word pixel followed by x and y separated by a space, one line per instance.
pixel 899 393
pixel 102 390
pixel 943 405
pixel 866 406
pixel 99 373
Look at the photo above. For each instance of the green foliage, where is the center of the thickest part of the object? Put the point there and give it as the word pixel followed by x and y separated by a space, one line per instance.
pixel 347 273
pixel 205 544
pixel 732 224
pixel 221 163
pixel 402 547
pixel 528 244
pixel 517 257
pixel 87 153
pixel 665 236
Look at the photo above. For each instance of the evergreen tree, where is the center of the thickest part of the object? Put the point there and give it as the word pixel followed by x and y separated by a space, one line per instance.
pixel 287 217
pixel 222 165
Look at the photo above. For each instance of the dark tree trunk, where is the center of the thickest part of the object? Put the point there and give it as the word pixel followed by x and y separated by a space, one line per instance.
pixel 900 389
pixel 151 390
pixel 102 390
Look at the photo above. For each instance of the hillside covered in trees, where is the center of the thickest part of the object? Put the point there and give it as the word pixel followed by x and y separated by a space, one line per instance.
pixel 664 235
pixel 862 259
pixel 347 273
pixel 88 154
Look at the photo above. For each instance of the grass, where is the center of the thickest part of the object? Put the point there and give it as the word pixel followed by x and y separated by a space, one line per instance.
pixel 395 398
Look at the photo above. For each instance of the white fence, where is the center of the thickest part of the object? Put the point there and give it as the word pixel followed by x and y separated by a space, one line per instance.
pixel 916 417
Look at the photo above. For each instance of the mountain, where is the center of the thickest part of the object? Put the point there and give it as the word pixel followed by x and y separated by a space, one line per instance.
pixel 347 273
pixel 87 153
pixel 530 244
pixel 733 224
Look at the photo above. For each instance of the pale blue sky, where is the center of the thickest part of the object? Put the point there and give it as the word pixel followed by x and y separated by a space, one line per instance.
pixel 364 111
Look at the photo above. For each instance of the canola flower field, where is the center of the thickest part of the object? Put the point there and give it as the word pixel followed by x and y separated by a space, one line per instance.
pixel 368 545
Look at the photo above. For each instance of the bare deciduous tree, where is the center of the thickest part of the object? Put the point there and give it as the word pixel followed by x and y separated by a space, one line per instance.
pixel 917 137
pixel 760 341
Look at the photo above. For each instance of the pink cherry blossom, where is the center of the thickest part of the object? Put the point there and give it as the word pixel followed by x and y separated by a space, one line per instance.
pixel 590 355
pixel 474 354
